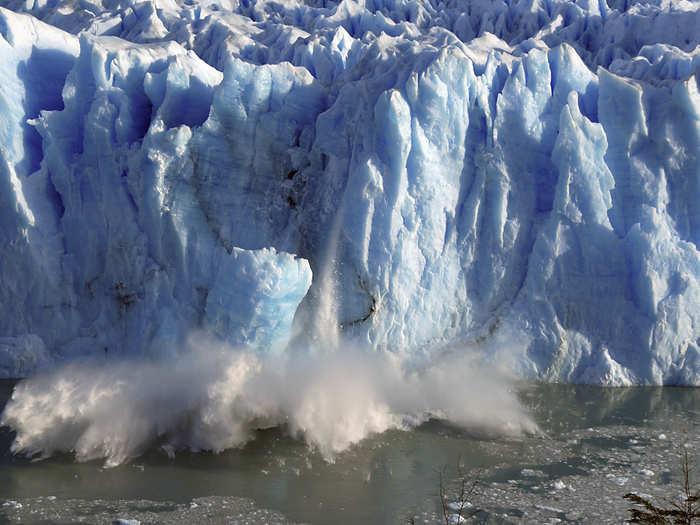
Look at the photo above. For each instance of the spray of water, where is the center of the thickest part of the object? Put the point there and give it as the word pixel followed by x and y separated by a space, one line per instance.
pixel 214 397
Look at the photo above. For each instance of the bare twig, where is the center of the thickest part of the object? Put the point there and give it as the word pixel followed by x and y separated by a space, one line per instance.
pixel 685 512
pixel 467 489
pixel 443 496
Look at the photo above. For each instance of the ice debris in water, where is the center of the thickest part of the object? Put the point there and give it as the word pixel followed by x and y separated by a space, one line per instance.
pixel 557 485
pixel 532 473
pixel 458 506
pixel 522 175
pixel 618 480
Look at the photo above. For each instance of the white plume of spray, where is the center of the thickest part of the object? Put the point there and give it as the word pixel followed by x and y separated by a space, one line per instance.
pixel 213 397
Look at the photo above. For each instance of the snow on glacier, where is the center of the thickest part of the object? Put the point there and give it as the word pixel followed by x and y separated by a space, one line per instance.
pixel 463 170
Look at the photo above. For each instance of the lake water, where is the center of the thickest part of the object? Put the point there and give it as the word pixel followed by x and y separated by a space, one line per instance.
pixel 597 445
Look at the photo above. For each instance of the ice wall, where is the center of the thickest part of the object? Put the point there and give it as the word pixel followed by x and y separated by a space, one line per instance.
pixel 470 170
pixel 110 245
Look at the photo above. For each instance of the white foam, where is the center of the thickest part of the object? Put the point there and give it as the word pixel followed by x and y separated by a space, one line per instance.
pixel 213 397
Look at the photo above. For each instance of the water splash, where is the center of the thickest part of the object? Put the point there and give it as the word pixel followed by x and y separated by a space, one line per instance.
pixel 213 398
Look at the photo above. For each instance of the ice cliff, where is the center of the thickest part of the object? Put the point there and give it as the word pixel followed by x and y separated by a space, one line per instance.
pixel 462 171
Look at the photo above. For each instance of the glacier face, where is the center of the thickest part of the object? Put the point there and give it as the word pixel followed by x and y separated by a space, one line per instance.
pixel 466 168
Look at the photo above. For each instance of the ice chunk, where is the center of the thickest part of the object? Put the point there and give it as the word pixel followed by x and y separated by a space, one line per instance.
pixel 254 297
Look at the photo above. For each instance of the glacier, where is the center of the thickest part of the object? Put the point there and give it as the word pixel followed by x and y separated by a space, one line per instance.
pixel 521 176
